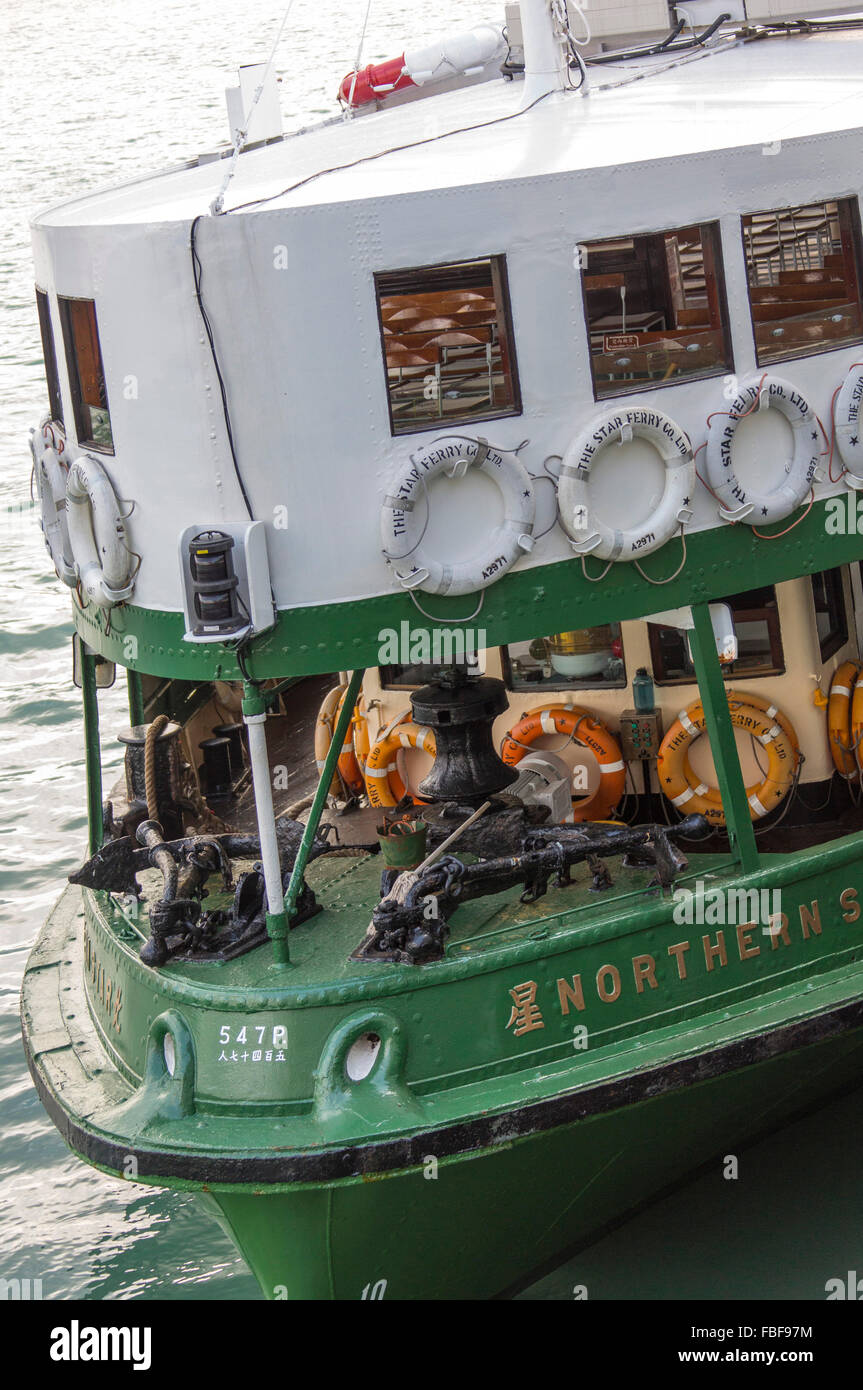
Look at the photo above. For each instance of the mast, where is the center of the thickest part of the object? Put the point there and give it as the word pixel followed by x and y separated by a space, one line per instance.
pixel 544 62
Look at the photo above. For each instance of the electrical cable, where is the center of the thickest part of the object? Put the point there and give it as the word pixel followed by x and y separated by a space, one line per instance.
pixel 197 271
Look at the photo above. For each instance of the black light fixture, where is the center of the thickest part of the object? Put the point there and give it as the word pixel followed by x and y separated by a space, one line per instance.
pixel 214 585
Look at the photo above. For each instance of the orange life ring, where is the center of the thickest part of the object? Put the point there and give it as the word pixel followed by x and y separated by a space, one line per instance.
pixel 348 765
pixel 682 788
pixel 587 732
pixel 324 726
pixel 758 702
pixel 840 716
pixel 857 720
pixel 384 787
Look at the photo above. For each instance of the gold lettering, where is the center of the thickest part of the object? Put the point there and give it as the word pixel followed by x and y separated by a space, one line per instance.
pixel 780 931
pixel 644 968
pixel 810 917
pixel 608 996
pixel 848 900
pixel 744 941
pixel 679 950
pixel 118 1000
pixel 711 952
pixel 570 994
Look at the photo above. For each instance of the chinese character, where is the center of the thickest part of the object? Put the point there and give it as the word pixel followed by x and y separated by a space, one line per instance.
pixel 280 1057
pixel 234 1057
pixel 222 1057
pixel 268 1056
pixel 256 1056
pixel 525 1011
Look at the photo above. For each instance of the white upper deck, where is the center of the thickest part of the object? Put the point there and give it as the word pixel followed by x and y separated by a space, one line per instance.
pixel 735 94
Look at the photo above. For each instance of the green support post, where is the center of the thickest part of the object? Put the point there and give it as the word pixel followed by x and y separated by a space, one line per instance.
pixel 329 768
pixel 136 697
pixel 92 752
pixel 723 746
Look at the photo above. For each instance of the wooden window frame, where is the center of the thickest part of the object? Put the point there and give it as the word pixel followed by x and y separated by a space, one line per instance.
pixel 837 638
pixel 80 407
pixel 389 282
pixel 49 355
pixel 717 300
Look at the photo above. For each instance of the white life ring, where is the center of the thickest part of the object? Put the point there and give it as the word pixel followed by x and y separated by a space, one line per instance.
pixel 51 486
pixel 402 531
pixel 795 476
pixel 590 536
pixel 847 426
pixel 97 532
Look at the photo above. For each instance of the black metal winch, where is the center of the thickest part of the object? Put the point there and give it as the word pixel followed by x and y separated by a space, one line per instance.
pixel 461 710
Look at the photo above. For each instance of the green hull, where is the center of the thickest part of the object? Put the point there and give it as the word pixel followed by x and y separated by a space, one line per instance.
pixel 473 1154
pixel 488 1221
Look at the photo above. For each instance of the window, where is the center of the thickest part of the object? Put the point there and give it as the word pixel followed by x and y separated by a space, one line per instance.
pixel 804 279
pixel 49 356
pixel 447 344
pixel 86 377
pixel 756 626
pixel 656 310
pixel 830 618
pixel 587 659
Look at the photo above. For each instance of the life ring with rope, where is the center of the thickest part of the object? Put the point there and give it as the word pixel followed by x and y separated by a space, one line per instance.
pixel 588 535
pixel 680 785
pixel 50 474
pixel 97 534
pixel 795 476
pixel 384 787
pixel 402 533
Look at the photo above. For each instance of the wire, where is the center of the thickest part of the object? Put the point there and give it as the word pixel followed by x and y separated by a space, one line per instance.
pixel 217 205
pixel 444 621
pixel 197 271
pixel 348 112
pixel 678 571
pixel 392 149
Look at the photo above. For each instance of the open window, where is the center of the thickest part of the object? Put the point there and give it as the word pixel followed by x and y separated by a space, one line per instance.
pixel 803 266
pixel 590 659
pixel 447 344
pixel 49 356
pixel 86 375
pixel 759 642
pixel 831 619
pixel 656 309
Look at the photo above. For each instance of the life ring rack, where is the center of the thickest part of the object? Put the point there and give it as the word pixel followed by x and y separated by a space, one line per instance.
pixel 97 534
pixel 402 535
pixel 797 477
pixel 588 535
pixel 582 728
pixel 679 783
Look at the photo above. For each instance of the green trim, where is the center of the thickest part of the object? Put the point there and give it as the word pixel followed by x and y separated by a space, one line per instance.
pixel 723 745
pixel 349 700
pixel 136 698
pixel 552 598
pixel 92 750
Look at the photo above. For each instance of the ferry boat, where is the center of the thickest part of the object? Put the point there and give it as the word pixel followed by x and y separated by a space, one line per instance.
pixel 468 487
